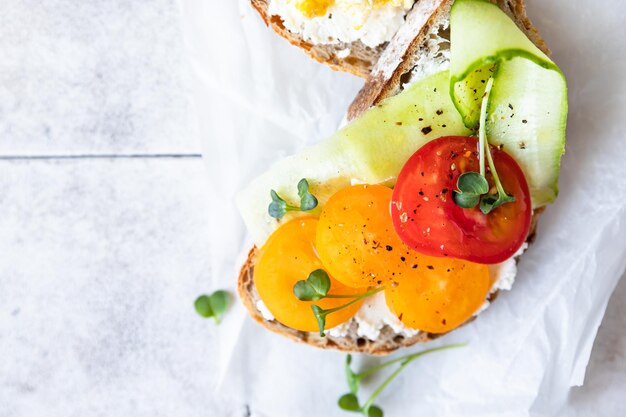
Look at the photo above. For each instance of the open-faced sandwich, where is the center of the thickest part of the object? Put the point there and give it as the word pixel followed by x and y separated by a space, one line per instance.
pixel 350 35
pixel 404 224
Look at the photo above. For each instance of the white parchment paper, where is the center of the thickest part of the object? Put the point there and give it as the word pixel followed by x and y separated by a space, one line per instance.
pixel 260 99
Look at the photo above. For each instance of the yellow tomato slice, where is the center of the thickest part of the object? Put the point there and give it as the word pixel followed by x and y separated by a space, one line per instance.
pixel 443 295
pixel 287 257
pixel 356 240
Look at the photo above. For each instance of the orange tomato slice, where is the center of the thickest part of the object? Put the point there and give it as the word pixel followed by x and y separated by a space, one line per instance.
pixel 356 240
pixel 443 295
pixel 287 257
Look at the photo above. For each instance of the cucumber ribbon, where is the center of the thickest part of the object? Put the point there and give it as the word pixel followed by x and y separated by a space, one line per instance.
pixel 527 109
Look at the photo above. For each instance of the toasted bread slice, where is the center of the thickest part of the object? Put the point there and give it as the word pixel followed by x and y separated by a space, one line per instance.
pixel 426 23
pixel 359 61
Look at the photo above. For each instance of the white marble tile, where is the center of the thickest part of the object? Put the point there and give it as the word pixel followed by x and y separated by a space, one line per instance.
pixel 84 77
pixel 100 262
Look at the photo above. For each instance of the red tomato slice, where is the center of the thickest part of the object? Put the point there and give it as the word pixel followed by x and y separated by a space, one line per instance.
pixel 427 219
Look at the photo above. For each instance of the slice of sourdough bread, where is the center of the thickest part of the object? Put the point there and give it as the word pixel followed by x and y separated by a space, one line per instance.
pixel 420 43
pixel 359 61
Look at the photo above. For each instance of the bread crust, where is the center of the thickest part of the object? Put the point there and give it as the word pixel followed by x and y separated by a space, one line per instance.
pixel 359 62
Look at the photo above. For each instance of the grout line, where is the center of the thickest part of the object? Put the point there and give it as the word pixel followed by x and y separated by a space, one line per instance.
pixel 100 156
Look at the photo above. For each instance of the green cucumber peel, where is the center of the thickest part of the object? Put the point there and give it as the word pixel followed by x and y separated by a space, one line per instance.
pixel 482 49
pixel 528 110
pixel 468 113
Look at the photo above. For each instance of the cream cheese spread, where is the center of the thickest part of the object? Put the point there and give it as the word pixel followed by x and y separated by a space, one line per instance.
pixel 345 21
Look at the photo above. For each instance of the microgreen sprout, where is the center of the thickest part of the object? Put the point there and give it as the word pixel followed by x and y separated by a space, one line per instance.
pixel 213 305
pixel 279 207
pixel 316 287
pixel 307 200
pixel 473 188
pixel 471 185
pixel 350 401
